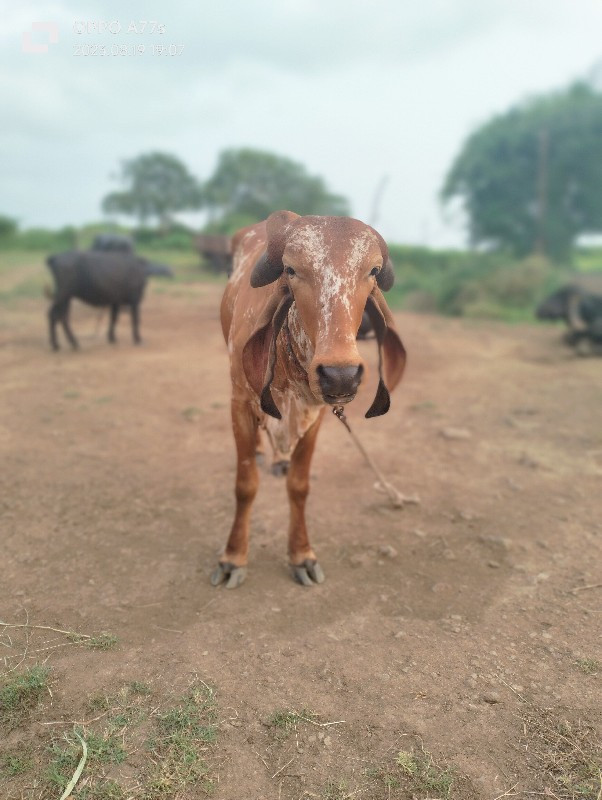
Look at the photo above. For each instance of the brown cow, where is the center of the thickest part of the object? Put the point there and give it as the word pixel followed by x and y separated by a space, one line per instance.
pixel 290 315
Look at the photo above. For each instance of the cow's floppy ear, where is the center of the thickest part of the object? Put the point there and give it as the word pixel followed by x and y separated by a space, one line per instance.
pixel 259 353
pixel 269 267
pixel 391 352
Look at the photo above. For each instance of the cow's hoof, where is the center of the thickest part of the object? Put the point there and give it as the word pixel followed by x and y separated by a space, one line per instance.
pixel 308 573
pixel 230 573
pixel 280 468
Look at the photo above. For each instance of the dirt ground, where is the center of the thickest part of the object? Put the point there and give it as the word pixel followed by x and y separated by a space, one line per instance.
pixel 454 648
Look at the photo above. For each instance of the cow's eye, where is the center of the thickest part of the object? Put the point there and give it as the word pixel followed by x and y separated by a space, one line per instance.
pixel 289 270
pixel 375 271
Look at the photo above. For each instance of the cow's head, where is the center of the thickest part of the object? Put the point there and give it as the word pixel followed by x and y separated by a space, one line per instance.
pixel 332 268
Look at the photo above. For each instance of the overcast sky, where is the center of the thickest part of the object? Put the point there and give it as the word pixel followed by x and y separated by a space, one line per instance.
pixel 356 91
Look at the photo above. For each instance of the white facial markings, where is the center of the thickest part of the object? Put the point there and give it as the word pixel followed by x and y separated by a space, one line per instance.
pixel 359 249
pixel 336 279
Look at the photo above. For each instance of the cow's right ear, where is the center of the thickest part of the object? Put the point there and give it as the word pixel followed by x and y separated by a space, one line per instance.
pixel 270 267
pixel 259 353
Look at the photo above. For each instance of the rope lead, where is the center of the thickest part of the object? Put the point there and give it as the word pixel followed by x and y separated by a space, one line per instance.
pixel 397 498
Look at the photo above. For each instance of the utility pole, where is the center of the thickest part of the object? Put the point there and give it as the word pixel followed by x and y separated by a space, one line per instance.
pixel 376 200
pixel 542 190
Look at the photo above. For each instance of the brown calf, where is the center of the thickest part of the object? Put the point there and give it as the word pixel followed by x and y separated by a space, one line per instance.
pixel 290 315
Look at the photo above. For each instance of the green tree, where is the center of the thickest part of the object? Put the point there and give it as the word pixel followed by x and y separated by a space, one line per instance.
pixel 530 179
pixel 248 185
pixel 156 185
pixel 8 227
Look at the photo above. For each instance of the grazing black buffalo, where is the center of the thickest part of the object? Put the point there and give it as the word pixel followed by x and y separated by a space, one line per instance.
pixel 580 308
pixel 99 279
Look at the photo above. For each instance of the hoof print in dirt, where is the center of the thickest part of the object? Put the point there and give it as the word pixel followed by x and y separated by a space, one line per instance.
pixel 231 574
pixel 280 468
pixel 308 573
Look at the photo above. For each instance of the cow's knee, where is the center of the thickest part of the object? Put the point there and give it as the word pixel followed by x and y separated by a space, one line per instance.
pixel 298 487
pixel 246 488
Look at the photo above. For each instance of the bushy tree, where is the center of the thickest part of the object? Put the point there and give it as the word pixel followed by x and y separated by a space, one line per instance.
pixel 156 185
pixel 8 227
pixel 530 179
pixel 250 184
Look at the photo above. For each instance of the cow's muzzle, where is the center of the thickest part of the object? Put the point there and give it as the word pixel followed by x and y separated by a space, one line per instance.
pixel 339 384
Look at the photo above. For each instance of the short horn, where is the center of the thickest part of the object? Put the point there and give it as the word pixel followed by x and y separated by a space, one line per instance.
pixel 386 277
pixel 265 271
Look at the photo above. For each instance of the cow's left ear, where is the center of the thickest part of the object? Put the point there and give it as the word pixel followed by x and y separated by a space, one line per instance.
pixel 391 352
pixel 269 267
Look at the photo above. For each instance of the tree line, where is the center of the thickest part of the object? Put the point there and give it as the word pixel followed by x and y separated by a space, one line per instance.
pixel 529 181
pixel 246 186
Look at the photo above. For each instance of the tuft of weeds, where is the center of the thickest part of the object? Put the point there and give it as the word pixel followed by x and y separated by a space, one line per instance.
pixel 102 749
pixel 589 666
pixel 99 702
pixel 288 720
pixel 136 687
pixel 100 790
pixel 19 692
pixel 335 790
pixel 192 413
pixel 13 764
pixel 104 641
pixel 565 756
pixel 184 733
pixel 416 772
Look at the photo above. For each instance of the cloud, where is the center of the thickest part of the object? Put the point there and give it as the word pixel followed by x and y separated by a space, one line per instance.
pixel 353 90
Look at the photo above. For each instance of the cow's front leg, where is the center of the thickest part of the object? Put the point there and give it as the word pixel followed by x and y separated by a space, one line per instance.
pixel 304 563
pixel 232 565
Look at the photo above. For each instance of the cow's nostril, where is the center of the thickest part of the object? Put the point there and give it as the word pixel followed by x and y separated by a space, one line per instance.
pixel 339 383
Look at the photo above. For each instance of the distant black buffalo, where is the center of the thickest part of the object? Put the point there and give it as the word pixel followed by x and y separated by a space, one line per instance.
pixel 580 308
pixel 100 279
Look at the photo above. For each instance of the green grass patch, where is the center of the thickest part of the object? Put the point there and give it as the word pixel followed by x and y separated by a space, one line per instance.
pixel 104 641
pixel 134 749
pixel 103 748
pixel 13 764
pixel 183 735
pixel 19 692
pixel 101 790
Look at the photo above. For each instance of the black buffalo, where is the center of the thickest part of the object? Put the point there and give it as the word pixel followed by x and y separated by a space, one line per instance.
pixel 580 308
pixel 99 279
